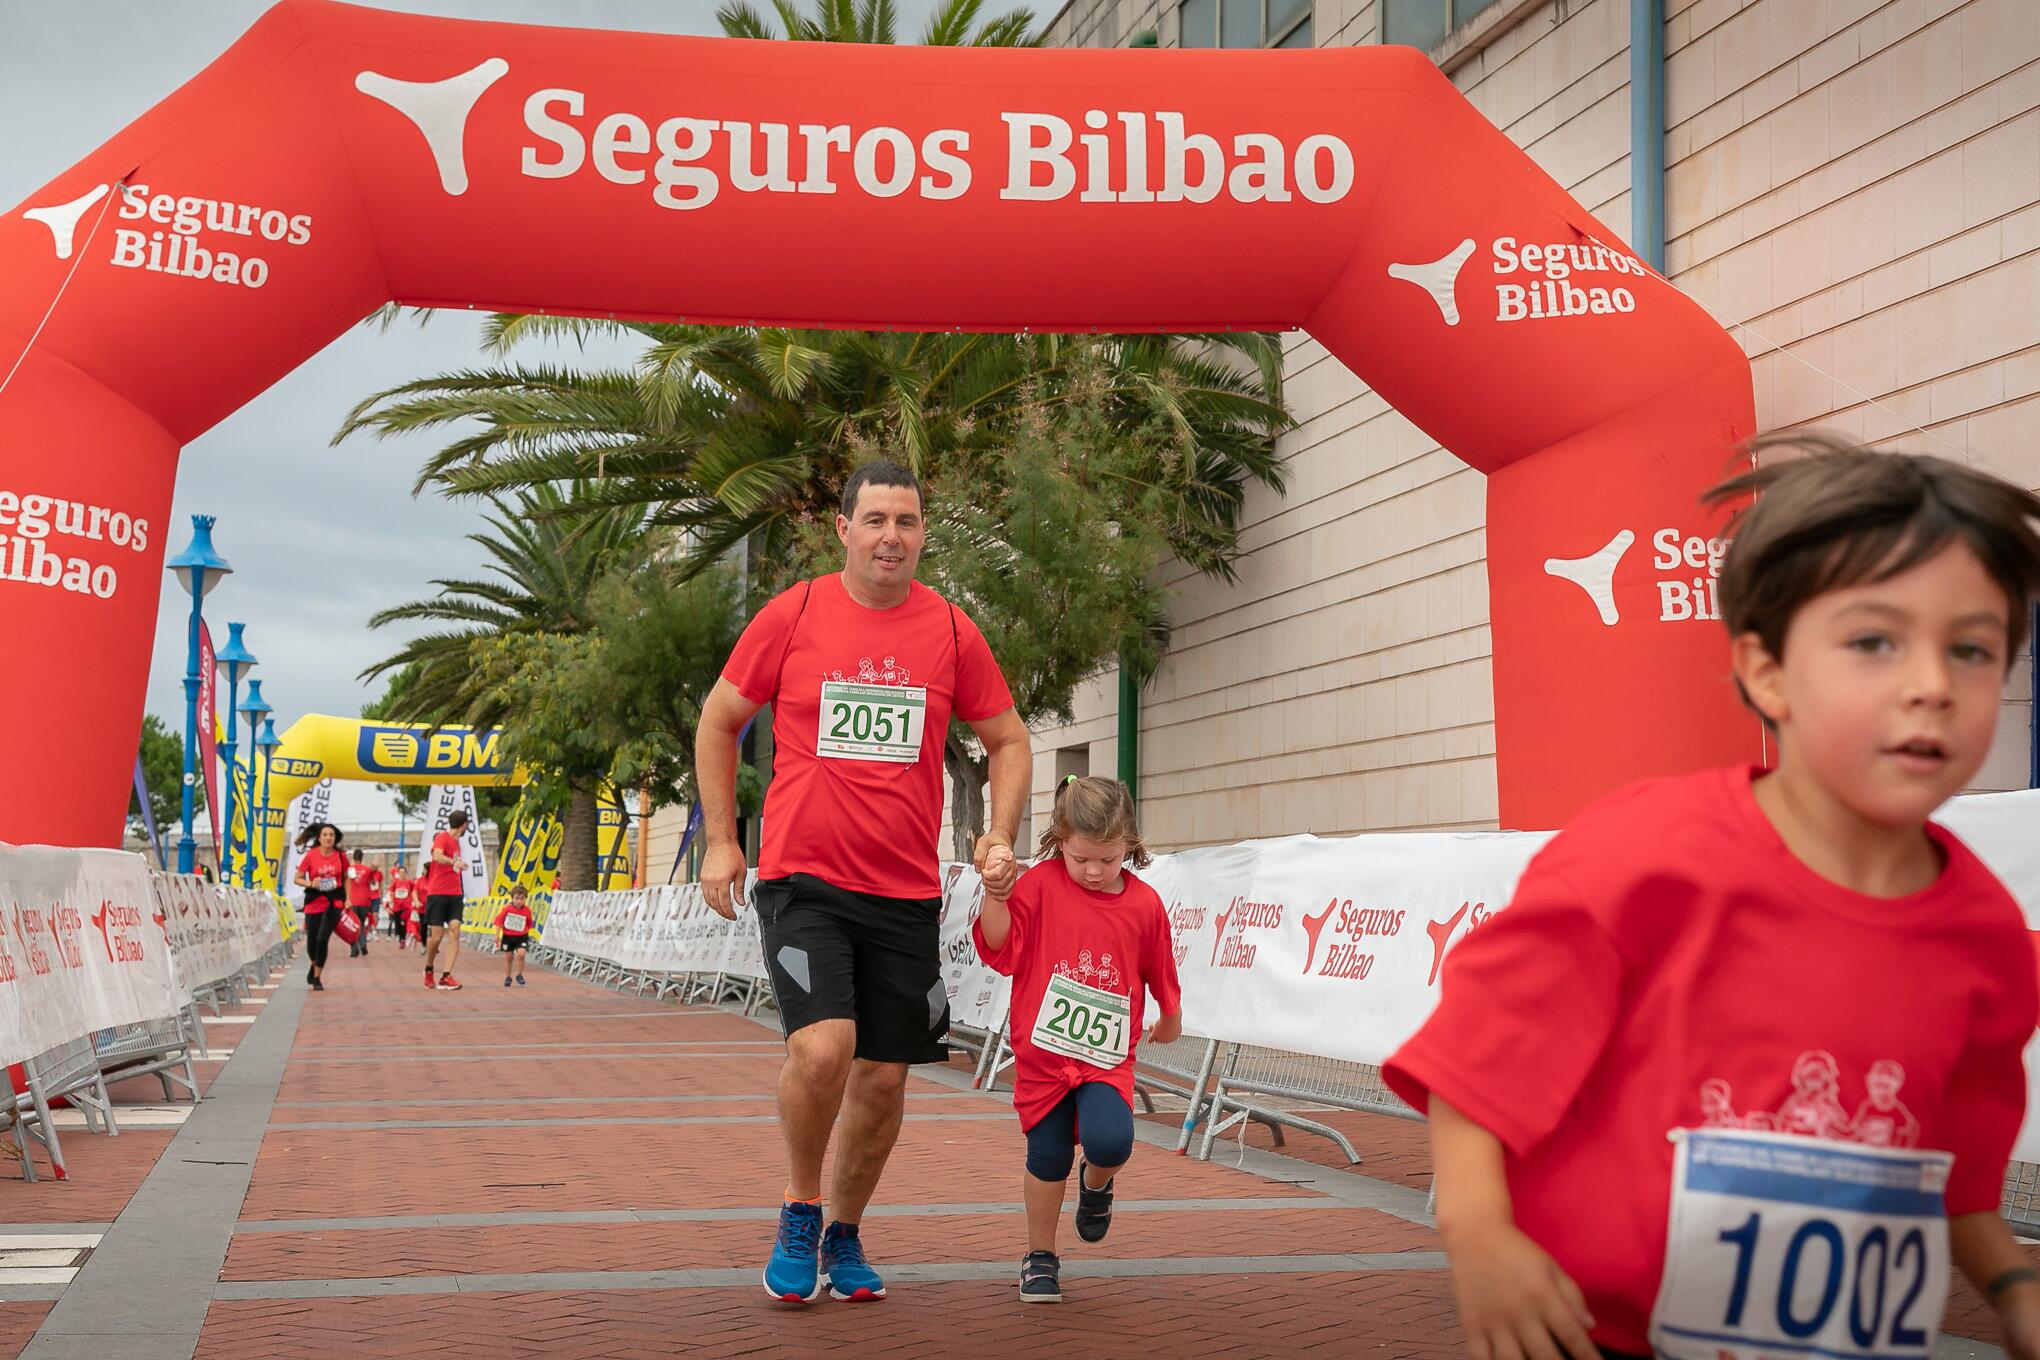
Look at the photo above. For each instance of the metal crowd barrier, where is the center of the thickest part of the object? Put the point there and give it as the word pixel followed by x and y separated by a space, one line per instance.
pixel 1222 1082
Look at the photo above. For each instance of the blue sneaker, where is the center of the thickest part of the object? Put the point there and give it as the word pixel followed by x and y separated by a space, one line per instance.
pixel 793 1274
pixel 851 1277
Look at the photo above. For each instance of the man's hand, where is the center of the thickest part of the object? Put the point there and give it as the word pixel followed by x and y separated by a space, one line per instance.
pixel 1167 1030
pixel 722 878
pixel 1514 1299
pixel 996 865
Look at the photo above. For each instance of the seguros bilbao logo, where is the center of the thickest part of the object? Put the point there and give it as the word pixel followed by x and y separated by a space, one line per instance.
pixel 1533 281
pixel 1346 955
pixel 1683 595
pixel 689 161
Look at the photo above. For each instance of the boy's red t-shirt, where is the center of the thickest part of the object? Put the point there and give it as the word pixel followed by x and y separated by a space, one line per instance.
pixel 869 826
pixel 1117 942
pixel 443 880
pixel 1667 963
pixel 524 910
pixel 318 864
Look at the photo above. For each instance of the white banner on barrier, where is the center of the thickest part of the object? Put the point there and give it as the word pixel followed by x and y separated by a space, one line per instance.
pixel 1325 947
pixel 82 947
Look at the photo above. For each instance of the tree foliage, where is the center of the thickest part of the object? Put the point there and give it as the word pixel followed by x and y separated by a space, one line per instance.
pixel 162 753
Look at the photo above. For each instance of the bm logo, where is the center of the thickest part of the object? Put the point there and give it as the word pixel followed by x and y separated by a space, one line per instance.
pixel 451 750
pixel 297 767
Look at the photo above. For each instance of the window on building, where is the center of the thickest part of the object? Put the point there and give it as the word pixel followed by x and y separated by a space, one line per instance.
pixel 1426 23
pixel 1246 23
pixel 1072 760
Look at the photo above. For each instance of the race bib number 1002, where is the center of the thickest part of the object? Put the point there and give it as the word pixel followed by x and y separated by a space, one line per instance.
pixel 1781 1245
pixel 871 722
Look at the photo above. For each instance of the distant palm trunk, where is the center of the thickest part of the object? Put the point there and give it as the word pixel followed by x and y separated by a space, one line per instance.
pixel 577 852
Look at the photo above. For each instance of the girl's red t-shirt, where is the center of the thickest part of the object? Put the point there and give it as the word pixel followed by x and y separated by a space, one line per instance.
pixel 1668 963
pixel 318 864
pixel 1117 942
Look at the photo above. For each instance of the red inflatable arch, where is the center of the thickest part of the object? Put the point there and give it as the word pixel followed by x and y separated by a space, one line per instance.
pixel 337 158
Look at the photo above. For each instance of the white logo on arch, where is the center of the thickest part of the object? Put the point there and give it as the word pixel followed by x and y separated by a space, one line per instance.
pixel 1595 574
pixel 439 109
pixel 62 219
pixel 1439 278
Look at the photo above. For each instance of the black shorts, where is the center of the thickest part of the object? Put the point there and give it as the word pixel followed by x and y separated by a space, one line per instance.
pixel 515 942
pixel 444 909
pixel 839 955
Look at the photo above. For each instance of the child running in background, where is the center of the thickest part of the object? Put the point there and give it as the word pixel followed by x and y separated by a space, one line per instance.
pixel 1640 1075
pixel 1084 942
pixel 514 923
pixel 400 904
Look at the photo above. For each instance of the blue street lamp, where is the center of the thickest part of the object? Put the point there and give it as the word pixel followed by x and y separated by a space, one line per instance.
pixel 234 660
pixel 198 570
pixel 267 743
pixel 254 710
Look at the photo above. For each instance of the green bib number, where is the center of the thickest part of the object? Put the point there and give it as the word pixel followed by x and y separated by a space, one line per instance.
pixel 1084 1022
pixel 871 722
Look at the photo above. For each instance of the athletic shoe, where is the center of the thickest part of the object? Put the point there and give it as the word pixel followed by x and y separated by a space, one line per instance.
pixel 447 984
pixel 429 983
pixel 1094 1208
pixel 851 1277
pixel 506 982
pixel 318 986
pixel 1041 1278
pixel 520 979
pixel 793 1274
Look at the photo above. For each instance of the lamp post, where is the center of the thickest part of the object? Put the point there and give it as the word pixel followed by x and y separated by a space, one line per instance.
pixel 255 710
pixel 233 660
pixel 268 742
pixel 198 569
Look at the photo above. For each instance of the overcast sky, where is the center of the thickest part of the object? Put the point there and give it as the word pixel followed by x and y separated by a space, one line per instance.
pixel 71 75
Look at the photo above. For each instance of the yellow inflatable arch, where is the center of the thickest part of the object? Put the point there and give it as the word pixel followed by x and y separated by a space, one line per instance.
pixel 319 746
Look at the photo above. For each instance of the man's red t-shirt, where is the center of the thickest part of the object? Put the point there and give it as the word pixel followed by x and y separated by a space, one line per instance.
pixel 359 891
pixel 320 864
pixel 443 880
pixel 866 825
pixel 1667 940
pixel 375 883
pixel 1115 942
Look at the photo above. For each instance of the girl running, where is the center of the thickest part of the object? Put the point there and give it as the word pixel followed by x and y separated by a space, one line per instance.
pixel 1084 942
pixel 322 873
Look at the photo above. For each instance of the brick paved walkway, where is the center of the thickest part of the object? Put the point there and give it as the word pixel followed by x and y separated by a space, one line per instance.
pixel 559 1170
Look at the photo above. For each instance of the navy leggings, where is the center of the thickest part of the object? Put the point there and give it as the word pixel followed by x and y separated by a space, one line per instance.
pixel 1105 1120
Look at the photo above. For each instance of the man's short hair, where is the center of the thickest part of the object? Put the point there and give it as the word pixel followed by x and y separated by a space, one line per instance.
pixel 879 472
pixel 457 818
pixel 1842 515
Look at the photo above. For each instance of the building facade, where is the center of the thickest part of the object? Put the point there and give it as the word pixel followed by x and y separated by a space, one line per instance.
pixel 1851 186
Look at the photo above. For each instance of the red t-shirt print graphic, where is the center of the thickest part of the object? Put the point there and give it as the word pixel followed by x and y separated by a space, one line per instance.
pixel 865 825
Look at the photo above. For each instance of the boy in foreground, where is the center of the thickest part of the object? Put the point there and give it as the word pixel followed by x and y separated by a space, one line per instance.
pixel 1738 1070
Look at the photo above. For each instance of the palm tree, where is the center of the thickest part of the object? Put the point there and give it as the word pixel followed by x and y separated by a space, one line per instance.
pixel 546 566
pixel 745 435
pixel 871 21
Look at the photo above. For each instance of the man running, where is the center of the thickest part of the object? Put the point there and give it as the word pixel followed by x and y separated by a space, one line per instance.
pixel 863 670
pixel 443 903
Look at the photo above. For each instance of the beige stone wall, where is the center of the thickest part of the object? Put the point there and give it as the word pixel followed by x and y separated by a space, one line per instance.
pixel 1856 180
